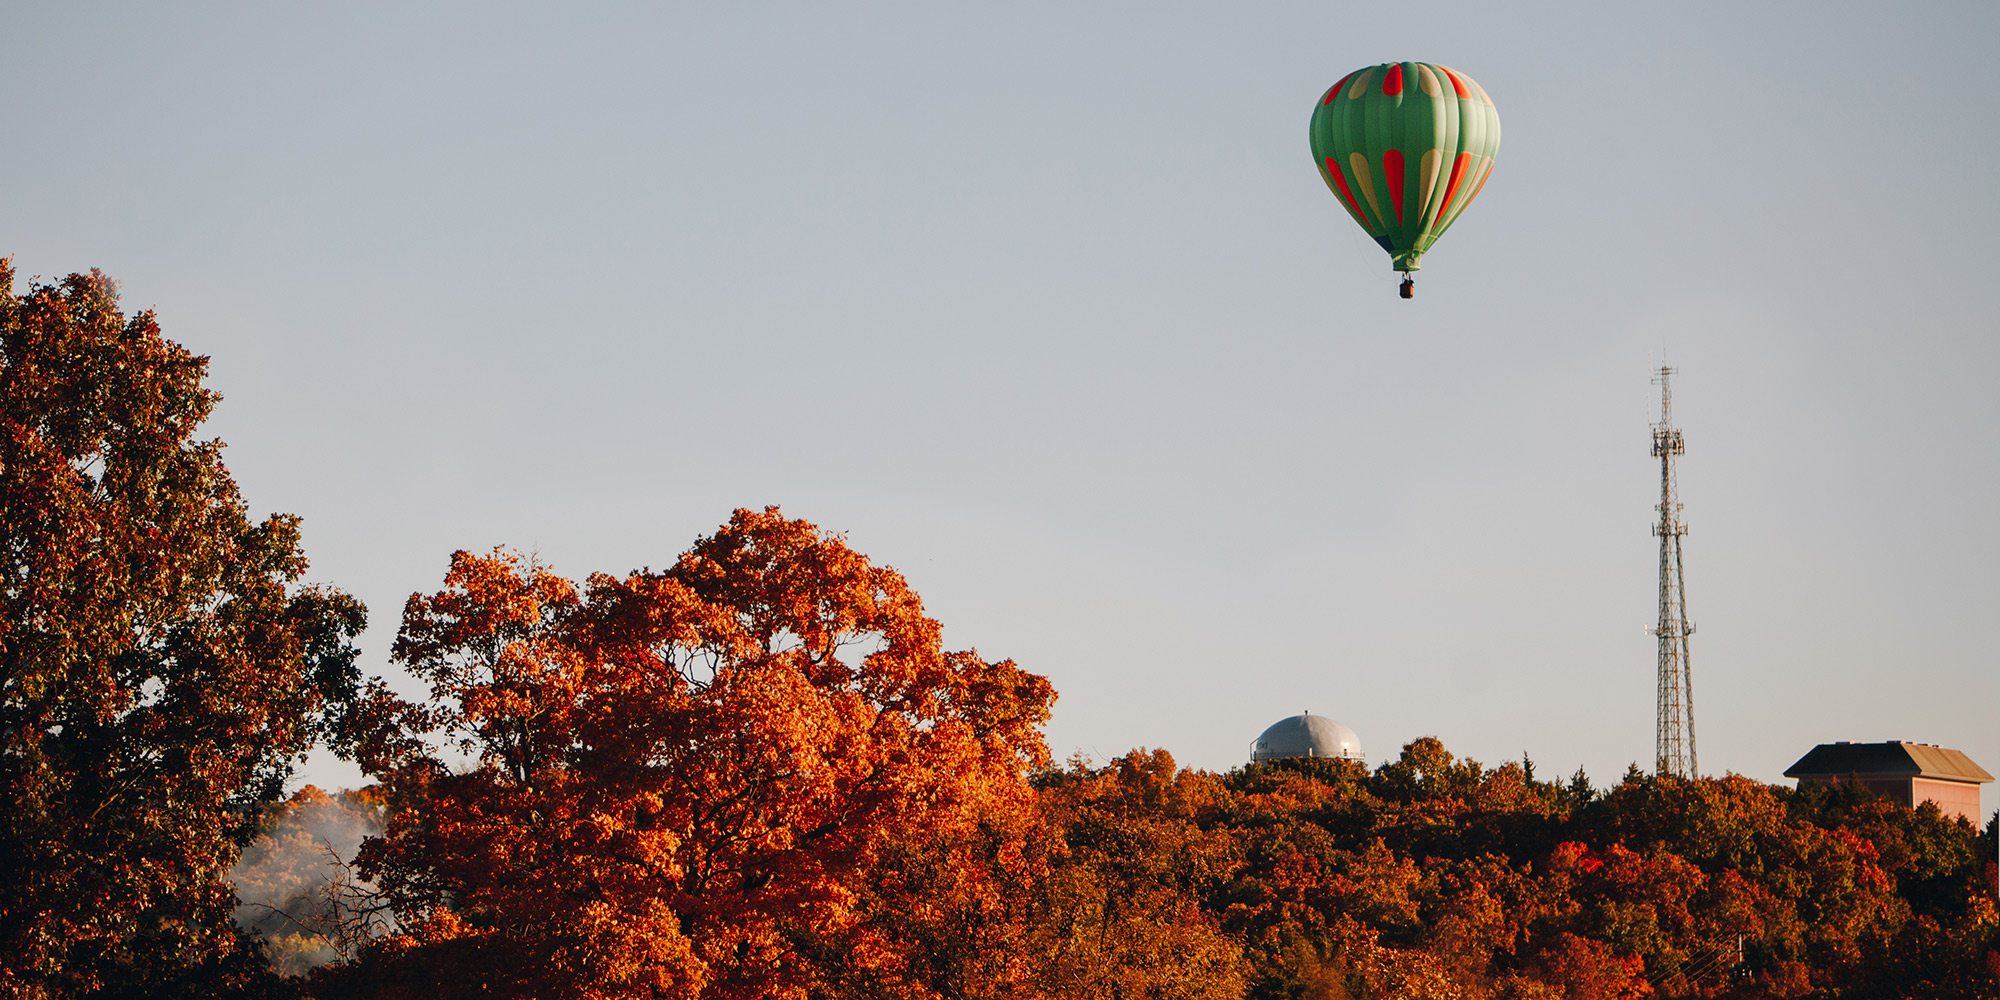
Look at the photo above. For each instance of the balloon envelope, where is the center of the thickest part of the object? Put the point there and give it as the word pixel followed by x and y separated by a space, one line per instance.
pixel 1405 147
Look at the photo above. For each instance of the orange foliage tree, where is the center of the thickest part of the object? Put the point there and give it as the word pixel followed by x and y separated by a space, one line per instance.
pixel 678 783
pixel 159 672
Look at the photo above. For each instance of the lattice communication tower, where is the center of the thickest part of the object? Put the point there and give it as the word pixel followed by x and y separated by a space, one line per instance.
pixel 1675 726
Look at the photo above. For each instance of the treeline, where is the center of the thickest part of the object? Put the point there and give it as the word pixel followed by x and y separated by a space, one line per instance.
pixel 1429 877
pixel 1437 877
pixel 756 772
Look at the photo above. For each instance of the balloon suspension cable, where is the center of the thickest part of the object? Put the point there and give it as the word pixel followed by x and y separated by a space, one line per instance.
pixel 1408 289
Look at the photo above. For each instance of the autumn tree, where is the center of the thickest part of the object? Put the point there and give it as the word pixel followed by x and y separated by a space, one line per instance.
pixel 160 672
pixel 680 783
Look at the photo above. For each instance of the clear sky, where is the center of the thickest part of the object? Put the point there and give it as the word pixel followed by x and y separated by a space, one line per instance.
pixel 1045 305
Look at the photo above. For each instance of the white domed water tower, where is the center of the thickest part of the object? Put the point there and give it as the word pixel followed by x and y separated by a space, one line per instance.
pixel 1306 735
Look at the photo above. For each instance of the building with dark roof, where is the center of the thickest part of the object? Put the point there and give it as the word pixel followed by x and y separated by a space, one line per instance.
pixel 1910 773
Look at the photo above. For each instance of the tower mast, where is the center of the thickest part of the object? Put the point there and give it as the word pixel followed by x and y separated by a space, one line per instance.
pixel 1675 702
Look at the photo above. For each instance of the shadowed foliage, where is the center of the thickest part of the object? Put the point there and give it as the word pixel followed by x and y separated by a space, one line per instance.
pixel 160 672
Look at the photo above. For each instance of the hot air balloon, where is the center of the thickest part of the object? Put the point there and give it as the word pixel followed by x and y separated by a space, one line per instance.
pixel 1405 147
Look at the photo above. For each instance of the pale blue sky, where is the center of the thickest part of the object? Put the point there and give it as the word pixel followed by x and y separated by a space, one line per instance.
pixel 1045 305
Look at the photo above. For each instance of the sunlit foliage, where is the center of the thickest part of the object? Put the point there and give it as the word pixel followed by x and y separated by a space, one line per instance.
pixel 683 782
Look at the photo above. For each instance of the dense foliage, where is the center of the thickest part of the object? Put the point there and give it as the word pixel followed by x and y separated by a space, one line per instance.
pixel 680 782
pixel 758 773
pixel 1427 877
pixel 1436 877
pixel 159 670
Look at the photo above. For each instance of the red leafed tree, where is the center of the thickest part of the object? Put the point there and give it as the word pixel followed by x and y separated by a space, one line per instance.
pixel 158 672
pixel 680 783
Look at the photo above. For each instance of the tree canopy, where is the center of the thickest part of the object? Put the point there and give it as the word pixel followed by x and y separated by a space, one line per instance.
pixel 160 669
pixel 681 781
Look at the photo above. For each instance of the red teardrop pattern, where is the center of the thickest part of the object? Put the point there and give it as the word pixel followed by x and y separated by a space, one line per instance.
pixel 1457 84
pixel 1333 169
pixel 1337 88
pixel 1457 174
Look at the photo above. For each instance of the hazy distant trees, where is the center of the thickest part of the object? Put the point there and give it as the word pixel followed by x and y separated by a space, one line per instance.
pixel 296 883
